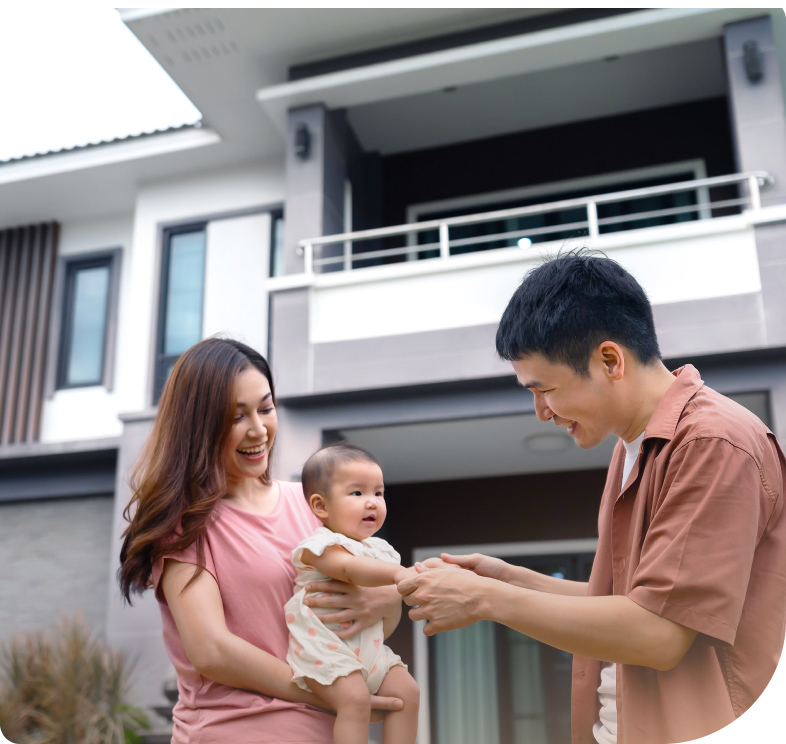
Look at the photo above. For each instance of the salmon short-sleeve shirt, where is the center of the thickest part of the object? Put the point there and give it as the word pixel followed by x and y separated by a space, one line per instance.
pixel 697 535
pixel 249 557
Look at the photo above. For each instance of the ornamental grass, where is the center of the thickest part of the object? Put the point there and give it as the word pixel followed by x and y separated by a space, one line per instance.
pixel 66 687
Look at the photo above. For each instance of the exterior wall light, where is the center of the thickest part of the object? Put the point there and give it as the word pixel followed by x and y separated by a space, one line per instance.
pixel 752 59
pixel 302 142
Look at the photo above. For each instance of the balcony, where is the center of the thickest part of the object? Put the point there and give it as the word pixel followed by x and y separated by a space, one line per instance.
pixel 371 295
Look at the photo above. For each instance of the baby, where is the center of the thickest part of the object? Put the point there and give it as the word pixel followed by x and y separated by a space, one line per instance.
pixel 343 485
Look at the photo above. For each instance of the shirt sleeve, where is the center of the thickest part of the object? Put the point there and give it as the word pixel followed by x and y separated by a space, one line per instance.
pixel 188 555
pixel 697 553
pixel 321 539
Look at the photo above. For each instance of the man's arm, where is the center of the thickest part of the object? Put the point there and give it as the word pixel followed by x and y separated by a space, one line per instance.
pixel 610 628
pixel 496 568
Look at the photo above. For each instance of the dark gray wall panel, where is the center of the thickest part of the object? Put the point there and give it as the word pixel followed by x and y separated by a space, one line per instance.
pixel 289 353
pixel 758 112
pixel 407 359
pixel 718 325
pixel 771 247
pixel 54 556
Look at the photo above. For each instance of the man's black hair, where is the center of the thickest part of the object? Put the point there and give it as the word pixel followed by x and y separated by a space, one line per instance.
pixel 320 468
pixel 568 305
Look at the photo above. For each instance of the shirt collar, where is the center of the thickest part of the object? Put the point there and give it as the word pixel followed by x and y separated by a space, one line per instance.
pixel 663 422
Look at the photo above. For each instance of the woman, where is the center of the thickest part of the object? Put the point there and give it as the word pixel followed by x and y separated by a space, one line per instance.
pixel 212 534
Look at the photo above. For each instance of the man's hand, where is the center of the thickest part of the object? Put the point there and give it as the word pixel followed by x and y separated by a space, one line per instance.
pixel 355 608
pixel 405 573
pixel 482 565
pixel 447 598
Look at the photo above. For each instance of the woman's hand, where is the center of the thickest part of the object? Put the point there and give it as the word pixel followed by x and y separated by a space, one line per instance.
pixel 381 705
pixel 355 608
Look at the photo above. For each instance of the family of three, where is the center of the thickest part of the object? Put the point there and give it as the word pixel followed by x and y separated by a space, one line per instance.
pixel 276 597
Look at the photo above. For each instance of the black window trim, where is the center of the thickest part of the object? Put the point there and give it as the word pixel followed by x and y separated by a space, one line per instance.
pixel 162 361
pixel 67 267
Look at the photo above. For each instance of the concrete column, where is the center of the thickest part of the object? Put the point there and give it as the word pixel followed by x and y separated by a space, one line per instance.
pixel 135 630
pixel 314 184
pixel 757 107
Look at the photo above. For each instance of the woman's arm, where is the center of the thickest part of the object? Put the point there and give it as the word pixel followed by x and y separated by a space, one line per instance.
pixel 212 649
pixel 220 655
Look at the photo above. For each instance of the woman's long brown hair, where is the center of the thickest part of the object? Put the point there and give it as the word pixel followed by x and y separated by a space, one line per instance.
pixel 180 476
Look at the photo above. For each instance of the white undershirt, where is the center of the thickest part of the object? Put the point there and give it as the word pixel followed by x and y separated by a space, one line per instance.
pixel 605 728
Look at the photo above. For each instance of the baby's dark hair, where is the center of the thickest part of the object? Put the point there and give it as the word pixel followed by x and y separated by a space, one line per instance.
pixel 322 465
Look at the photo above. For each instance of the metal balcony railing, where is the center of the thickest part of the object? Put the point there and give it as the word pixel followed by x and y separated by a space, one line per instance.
pixel 586 217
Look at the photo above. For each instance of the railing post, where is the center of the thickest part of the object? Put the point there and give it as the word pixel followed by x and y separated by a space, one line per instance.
pixel 347 255
pixel 444 241
pixel 592 219
pixel 308 258
pixel 755 196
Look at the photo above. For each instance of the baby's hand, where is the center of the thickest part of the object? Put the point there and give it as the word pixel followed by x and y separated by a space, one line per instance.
pixel 405 573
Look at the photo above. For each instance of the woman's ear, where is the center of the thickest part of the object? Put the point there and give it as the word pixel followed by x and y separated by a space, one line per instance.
pixel 318 504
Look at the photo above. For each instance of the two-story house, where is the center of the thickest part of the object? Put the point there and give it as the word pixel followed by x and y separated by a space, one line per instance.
pixel 364 193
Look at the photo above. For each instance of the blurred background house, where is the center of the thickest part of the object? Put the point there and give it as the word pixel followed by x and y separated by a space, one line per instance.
pixel 363 194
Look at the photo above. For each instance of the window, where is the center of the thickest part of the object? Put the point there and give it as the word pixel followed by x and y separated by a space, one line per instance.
pixel 613 217
pixel 88 316
pixel 489 683
pixel 182 298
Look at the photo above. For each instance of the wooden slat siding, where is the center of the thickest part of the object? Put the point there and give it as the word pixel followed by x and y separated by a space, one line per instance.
pixel 46 292
pixel 27 345
pixel 9 298
pixel 22 249
pixel 27 264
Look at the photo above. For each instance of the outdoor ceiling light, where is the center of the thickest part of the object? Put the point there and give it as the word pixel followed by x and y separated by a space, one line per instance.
pixel 524 242
pixel 547 444
pixel 753 61
pixel 302 142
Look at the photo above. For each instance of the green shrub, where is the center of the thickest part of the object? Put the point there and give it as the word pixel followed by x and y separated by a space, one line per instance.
pixel 66 687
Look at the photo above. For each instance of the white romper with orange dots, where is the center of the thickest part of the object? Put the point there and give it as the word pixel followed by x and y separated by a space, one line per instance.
pixel 315 651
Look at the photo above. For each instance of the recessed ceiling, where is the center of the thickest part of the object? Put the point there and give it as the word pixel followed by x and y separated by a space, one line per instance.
pixel 474 448
pixel 591 90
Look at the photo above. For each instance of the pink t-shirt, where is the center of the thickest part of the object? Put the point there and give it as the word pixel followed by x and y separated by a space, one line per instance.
pixel 249 557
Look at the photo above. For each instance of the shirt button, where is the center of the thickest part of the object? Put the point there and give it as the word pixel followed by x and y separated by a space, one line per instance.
pixel 623 563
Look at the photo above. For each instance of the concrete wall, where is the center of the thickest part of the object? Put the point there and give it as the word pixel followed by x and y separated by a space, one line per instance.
pixel 54 556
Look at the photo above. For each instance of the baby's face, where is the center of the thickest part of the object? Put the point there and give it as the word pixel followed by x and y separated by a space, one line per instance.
pixel 356 504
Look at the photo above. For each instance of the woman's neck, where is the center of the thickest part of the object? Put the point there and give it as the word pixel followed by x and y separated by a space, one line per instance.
pixel 252 495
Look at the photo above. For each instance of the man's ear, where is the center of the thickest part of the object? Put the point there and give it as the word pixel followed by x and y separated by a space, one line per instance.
pixel 318 505
pixel 612 356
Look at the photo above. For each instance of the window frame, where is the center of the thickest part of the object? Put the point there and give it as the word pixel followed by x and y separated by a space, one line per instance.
pixel 68 267
pixel 537 550
pixel 161 360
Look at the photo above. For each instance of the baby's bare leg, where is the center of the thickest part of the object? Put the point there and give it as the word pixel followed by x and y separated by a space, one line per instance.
pixel 350 697
pixel 400 726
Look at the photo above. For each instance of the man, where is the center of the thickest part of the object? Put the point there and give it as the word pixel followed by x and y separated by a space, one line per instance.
pixel 681 624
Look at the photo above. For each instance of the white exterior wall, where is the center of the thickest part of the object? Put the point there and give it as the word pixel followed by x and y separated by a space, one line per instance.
pixel 89 412
pixel 164 204
pixel 236 267
pixel 693 261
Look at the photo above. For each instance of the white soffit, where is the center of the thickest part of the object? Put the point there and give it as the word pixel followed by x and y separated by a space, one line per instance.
pixel 106 154
pixel 553 48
